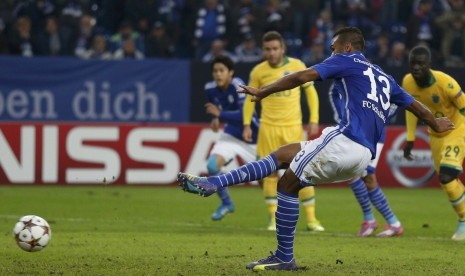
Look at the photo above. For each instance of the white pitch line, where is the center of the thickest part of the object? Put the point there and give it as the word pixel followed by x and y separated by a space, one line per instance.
pixel 65 219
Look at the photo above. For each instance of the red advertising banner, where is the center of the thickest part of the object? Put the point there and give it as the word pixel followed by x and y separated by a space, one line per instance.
pixel 135 154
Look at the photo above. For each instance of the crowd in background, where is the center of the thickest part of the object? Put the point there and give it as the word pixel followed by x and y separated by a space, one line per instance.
pixel 202 29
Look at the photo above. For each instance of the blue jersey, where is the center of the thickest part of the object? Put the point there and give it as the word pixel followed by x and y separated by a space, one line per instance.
pixel 230 104
pixel 364 96
pixel 338 109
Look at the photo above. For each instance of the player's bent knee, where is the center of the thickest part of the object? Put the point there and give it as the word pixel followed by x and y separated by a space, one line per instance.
pixel 370 181
pixel 212 165
pixel 289 183
pixel 447 174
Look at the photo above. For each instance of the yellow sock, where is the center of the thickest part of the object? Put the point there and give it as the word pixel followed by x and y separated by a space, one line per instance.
pixel 270 193
pixel 456 194
pixel 307 197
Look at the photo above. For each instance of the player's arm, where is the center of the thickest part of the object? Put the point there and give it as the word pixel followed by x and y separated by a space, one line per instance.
pixel 411 122
pixel 248 109
pixel 459 102
pixel 456 95
pixel 314 108
pixel 214 111
pixel 439 125
pixel 285 83
pixel 225 116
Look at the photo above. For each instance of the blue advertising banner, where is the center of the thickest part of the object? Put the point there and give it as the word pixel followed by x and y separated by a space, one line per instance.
pixel 69 89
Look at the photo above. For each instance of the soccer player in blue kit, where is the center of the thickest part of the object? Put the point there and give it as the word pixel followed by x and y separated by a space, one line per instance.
pixel 365 187
pixel 341 152
pixel 225 105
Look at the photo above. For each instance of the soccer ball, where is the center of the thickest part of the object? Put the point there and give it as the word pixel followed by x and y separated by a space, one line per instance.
pixel 32 233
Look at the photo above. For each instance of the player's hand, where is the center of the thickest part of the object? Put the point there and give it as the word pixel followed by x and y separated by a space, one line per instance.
pixel 443 124
pixel 212 109
pixel 247 134
pixel 254 92
pixel 312 130
pixel 408 150
pixel 215 124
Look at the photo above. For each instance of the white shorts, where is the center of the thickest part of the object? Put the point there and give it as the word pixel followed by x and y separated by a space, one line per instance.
pixel 229 147
pixel 330 158
pixel 371 169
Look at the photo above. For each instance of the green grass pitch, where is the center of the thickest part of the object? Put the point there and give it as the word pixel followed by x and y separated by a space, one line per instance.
pixel 163 231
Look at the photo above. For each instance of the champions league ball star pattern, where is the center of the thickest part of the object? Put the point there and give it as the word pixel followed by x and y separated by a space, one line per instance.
pixel 32 233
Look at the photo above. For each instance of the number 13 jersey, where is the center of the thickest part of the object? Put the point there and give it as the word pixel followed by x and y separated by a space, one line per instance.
pixel 365 94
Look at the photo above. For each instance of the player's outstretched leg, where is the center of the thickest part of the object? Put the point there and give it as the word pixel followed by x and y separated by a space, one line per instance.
pixel 272 263
pixel 206 186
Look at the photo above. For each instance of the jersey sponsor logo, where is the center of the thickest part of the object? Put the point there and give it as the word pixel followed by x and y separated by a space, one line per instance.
pixel 131 154
pixel 406 171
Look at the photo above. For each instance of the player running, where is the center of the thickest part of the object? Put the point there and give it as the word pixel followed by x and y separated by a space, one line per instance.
pixel 225 104
pixel 443 95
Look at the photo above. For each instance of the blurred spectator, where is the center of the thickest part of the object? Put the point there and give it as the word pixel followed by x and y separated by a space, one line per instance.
pixel 84 36
pixel 360 15
pixel 178 17
pixel 20 40
pixel 211 24
pixel 421 27
pixel 379 52
pixel 124 33
pixel 71 14
pixel 248 51
pixel 339 10
pixel 35 10
pixel 391 12
pixel 398 55
pixel 452 24
pixel 315 53
pixel 99 49
pixel 249 20
pixel 141 14
pixel 157 43
pixel 190 27
pixel 128 51
pixel 323 30
pixel 304 15
pixel 397 31
pixel 217 48
pixel 437 6
pixel 54 41
pixel 277 16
